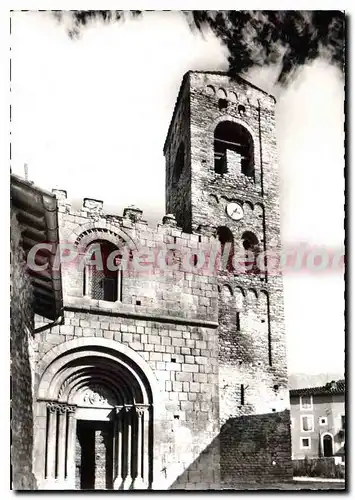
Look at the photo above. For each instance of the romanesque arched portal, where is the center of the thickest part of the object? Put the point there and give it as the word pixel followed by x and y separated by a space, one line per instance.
pixel 94 418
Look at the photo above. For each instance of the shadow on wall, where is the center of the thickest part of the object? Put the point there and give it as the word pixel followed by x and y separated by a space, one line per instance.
pixel 21 379
pixel 204 472
pixel 250 452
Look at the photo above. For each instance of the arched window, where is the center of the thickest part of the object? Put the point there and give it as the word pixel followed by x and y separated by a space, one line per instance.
pixel 179 164
pixel 252 250
pixel 226 239
pixel 233 148
pixel 101 280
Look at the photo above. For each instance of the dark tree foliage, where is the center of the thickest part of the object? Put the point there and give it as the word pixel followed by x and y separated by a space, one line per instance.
pixel 81 18
pixel 257 38
pixel 290 38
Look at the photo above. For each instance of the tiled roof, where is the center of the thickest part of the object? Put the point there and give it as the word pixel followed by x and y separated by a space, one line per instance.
pixel 36 213
pixel 333 387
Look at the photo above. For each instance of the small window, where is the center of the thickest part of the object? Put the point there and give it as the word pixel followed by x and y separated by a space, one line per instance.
pixel 306 402
pixel 323 421
pixel 343 422
pixel 179 164
pixel 307 423
pixel 242 395
pixel 222 104
pixel 238 321
pixel 305 443
pixel 241 109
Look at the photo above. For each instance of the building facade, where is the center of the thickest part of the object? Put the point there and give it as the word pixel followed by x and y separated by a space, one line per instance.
pixel 168 371
pixel 318 421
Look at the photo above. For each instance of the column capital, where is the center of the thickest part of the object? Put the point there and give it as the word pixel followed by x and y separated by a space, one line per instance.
pixel 118 409
pixel 140 409
pixel 60 408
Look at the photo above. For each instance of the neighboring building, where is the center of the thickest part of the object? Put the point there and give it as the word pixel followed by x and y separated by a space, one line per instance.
pixel 174 379
pixel 33 220
pixel 318 421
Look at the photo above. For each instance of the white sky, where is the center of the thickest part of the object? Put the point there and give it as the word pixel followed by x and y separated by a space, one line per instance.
pixel 90 116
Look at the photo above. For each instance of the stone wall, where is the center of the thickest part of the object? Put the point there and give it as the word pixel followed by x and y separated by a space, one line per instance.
pixel 255 450
pixel 184 360
pixel 173 329
pixel 21 378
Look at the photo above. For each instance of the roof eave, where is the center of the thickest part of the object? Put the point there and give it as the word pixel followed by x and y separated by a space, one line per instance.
pixel 37 215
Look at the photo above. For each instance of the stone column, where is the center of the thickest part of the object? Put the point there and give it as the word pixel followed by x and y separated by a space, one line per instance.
pixel 40 443
pixel 70 464
pixel 62 428
pixel 146 419
pixel 139 483
pixel 51 443
pixel 118 450
pixel 128 427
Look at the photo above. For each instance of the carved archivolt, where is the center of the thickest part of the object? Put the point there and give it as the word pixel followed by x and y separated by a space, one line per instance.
pixel 102 231
pixel 97 395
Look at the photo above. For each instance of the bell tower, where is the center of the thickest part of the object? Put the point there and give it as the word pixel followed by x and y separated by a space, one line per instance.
pixel 222 178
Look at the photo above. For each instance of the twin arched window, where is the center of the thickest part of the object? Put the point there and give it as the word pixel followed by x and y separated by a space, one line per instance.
pixel 101 280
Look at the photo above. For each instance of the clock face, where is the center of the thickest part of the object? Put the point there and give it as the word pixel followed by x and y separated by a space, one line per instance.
pixel 234 211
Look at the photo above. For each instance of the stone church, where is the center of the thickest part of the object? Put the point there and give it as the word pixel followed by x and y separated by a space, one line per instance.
pixel 172 378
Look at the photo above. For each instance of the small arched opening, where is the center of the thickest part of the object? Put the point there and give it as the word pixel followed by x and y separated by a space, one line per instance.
pixel 179 164
pixel 252 251
pixel 226 240
pixel 233 149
